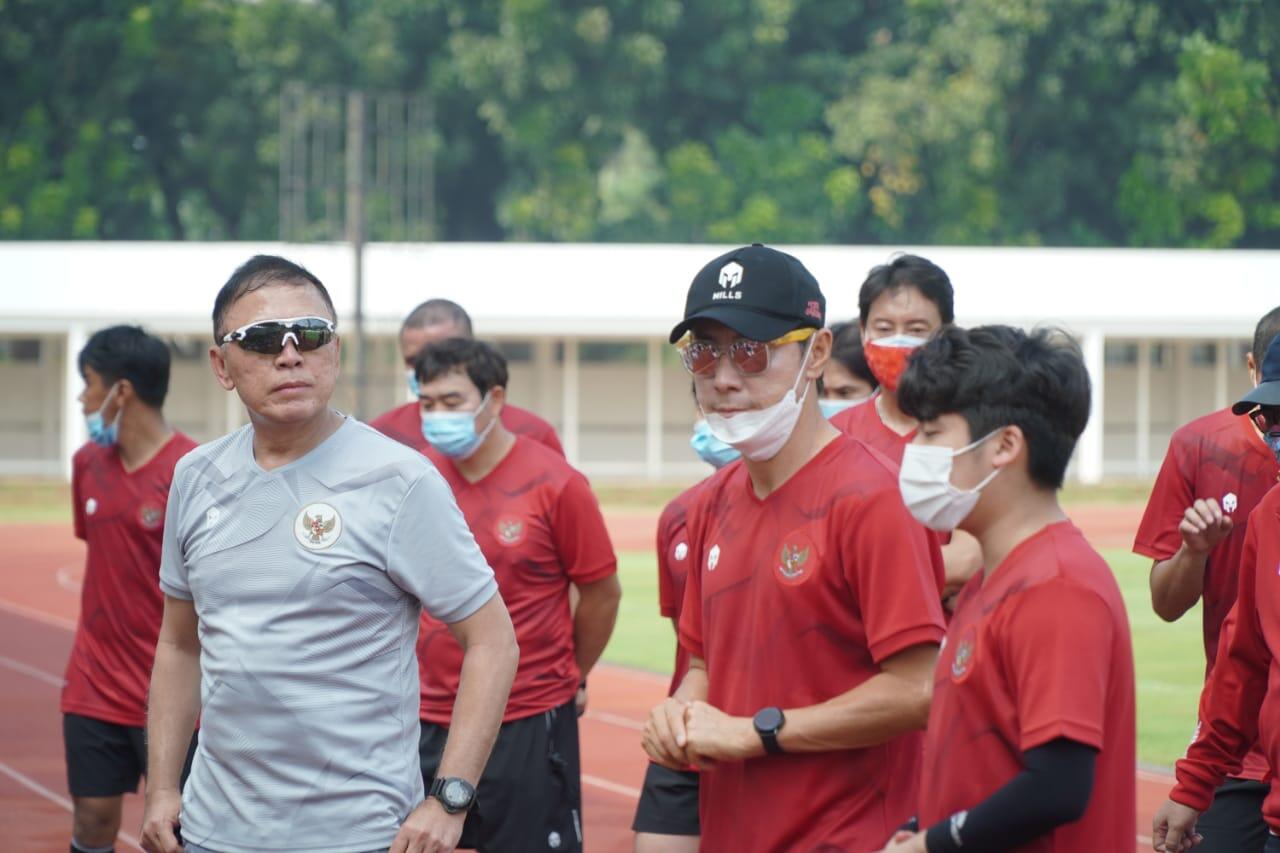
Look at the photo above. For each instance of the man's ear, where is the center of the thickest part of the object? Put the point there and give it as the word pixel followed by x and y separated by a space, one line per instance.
pixel 497 399
pixel 1253 369
pixel 1011 443
pixel 819 354
pixel 218 363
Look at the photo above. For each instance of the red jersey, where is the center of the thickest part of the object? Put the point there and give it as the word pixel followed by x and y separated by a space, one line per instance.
pixel 863 423
pixel 1038 649
pixel 673 568
pixel 404 424
pixel 1241 700
pixel 793 600
pixel 540 528
pixel 1218 456
pixel 120 516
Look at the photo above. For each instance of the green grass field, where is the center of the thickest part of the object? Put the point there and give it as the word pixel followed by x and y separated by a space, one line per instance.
pixel 1168 658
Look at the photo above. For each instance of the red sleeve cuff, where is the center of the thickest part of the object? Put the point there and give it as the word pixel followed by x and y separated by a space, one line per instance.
pixel 1151 550
pixel 889 646
pixel 597 574
pixel 691 645
pixel 1192 796
pixel 668 610
pixel 1084 733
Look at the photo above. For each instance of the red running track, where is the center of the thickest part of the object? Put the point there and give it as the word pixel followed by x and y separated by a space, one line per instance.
pixel 39 600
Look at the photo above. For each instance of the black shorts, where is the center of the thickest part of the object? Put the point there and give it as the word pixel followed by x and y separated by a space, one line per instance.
pixel 530 794
pixel 669 802
pixel 107 759
pixel 1234 824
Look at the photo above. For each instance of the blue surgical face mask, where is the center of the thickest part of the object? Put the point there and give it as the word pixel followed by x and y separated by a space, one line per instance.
pixel 454 433
pixel 710 449
pixel 102 433
pixel 414 389
pixel 833 406
pixel 1272 438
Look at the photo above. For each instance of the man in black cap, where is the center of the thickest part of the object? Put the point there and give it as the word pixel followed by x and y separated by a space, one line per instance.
pixel 810 586
pixel 1240 704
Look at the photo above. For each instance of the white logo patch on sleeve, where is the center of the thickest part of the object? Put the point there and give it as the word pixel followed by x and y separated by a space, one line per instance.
pixel 317 527
pixel 1230 502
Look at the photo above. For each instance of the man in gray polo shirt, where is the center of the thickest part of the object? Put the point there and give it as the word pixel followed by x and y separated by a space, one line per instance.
pixel 297 553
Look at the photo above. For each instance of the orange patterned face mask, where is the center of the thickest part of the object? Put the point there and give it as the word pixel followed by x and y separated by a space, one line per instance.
pixel 887 357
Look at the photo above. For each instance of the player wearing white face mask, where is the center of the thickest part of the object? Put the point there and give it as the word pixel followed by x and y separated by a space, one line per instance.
pixel 1023 752
pixel 811 613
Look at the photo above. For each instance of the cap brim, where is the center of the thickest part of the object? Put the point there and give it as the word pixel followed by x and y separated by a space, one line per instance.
pixel 1266 394
pixel 749 324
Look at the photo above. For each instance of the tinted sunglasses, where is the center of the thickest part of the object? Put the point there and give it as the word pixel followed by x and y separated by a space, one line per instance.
pixel 750 358
pixel 270 336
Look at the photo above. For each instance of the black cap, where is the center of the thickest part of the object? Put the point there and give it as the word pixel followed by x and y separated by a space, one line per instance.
pixel 758 292
pixel 1268 391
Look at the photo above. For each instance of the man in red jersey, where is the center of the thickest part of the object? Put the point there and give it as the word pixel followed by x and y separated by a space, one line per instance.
pixel 901 305
pixel 666 818
pixel 1215 472
pixel 433 321
pixel 540 529
pixel 811 611
pixel 120 487
pixel 1031 739
pixel 1238 705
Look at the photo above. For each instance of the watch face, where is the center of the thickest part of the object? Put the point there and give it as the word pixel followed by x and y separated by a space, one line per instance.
pixel 456 793
pixel 769 719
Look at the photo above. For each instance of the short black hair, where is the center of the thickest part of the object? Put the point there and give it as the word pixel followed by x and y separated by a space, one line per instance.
pixel 128 352
pixel 435 311
pixel 485 366
pixel 846 348
pixel 1264 333
pixel 262 271
pixel 997 376
pixel 909 271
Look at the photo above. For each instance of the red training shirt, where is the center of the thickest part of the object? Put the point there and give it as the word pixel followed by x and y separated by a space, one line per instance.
pixel 1241 699
pixel 793 600
pixel 540 528
pixel 863 423
pixel 673 568
pixel 120 516
pixel 404 424
pixel 1218 456
pixel 1037 649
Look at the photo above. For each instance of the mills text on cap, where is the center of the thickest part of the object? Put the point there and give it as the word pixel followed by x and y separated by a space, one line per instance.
pixel 758 292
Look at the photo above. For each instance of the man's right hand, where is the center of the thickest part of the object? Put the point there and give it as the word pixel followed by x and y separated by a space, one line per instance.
pixel 159 820
pixel 1174 828
pixel 1204 526
pixel 665 738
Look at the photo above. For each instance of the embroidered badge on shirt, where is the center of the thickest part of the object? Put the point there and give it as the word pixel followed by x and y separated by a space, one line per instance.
pixel 151 516
pixel 317 527
pixel 509 530
pixel 1230 502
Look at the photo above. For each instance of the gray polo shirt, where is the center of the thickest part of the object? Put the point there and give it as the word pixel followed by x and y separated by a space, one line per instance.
pixel 307 580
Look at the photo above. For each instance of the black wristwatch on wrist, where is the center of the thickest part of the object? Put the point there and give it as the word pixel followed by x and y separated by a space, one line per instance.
pixel 768 722
pixel 456 795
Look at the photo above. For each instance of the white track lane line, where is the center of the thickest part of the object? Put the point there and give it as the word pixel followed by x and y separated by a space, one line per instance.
pixel 32 785
pixel 66 578
pixel 615 720
pixel 37 674
pixel 37 615
pixel 605 784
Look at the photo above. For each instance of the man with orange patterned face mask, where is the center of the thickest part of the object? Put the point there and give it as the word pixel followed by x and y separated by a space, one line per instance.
pixel 901 305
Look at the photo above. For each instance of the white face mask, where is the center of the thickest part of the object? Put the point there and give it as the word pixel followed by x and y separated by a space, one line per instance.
pixel 925 481
pixel 759 434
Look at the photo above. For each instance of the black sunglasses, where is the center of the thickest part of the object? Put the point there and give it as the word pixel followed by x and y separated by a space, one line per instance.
pixel 270 336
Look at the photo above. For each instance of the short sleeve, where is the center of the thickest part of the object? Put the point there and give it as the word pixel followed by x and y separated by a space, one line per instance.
pixel 1174 490
pixel 690 628
pixel 891 565
pixel 173 559
pixel 77 501
pixel 432 555
pixel 581 538
pixel 1056 643
pixel 668 529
